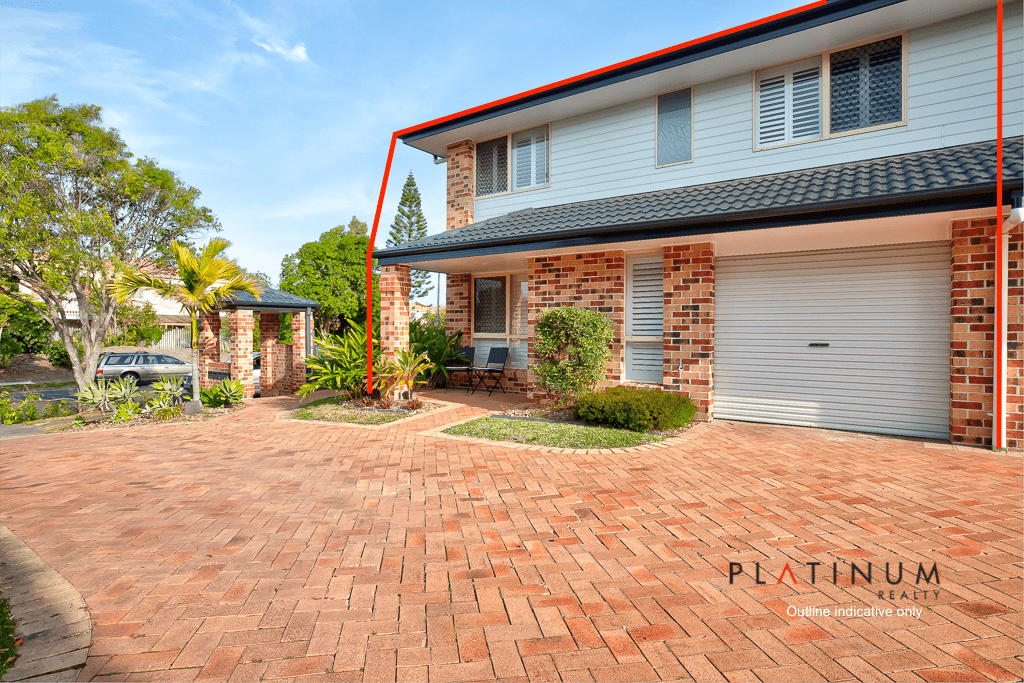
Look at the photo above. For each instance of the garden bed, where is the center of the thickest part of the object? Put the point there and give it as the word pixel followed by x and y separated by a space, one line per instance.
pixel 339 409
pixel 141 420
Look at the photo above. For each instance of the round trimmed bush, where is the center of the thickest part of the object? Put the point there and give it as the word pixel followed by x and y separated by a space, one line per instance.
pixel 571 348
pixel 639 410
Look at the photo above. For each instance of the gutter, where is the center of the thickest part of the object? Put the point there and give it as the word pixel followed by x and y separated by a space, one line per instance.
pixel 930 201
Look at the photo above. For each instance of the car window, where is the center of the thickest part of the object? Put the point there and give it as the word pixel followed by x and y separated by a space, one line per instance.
pixel 119 359
pixel 171 360
pixel 149 360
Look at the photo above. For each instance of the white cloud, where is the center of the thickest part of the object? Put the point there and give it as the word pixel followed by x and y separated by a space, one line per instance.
pixel 295 54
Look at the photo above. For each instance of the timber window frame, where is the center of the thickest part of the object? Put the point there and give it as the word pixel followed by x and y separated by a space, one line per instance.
pixel 870 85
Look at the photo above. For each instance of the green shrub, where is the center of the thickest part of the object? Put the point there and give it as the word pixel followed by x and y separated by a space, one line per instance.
pixel 227 392
pixel 571 348
pixel 442 349
pixel 26 411
pixel 639 410
pixel 125 412
pixel 24 330
pixel 58 355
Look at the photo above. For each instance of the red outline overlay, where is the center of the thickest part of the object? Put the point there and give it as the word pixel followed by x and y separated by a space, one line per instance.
pixel 999 340
pixel 512 98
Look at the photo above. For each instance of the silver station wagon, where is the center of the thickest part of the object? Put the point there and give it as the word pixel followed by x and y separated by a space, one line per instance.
pixel 144 367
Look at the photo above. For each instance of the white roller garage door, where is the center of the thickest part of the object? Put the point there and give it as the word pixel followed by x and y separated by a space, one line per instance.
pixel 845 339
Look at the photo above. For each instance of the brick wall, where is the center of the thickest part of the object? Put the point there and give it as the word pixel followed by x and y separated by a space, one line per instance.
pixel 459 306
pixel 689 323
pixel 395 286
pixel 209 347
pixel 297 366
pixel 241 325
pixel 461 181
pixel 1015 343
pixel 592 280
pixel 270 380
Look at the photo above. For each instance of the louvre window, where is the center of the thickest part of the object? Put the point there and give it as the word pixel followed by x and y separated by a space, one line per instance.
pixel 866 85
pixel 492 166
pixel 675 127
pixel 789 103
pixel 645 329
pixel 500 316
pixel 528 167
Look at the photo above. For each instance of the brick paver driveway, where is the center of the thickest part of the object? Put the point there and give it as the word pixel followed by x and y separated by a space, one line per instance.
pixel 250 549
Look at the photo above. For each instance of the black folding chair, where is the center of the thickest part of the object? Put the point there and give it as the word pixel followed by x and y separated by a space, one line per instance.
pixel 497 359
pixel 468 352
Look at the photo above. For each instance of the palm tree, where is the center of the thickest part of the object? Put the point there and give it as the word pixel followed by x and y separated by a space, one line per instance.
pixel 204 282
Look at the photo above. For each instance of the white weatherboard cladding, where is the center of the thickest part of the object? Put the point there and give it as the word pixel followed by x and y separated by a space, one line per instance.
pixel 644 322
pixel 950 101
pixel 884 313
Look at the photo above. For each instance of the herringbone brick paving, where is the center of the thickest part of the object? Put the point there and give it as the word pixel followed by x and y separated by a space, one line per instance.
pixel 248 549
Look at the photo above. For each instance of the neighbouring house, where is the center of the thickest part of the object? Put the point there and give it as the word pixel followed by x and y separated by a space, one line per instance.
pixel 418 311
pixel 794 221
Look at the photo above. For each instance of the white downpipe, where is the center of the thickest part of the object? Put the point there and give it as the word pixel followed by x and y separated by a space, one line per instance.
pixel 1001 336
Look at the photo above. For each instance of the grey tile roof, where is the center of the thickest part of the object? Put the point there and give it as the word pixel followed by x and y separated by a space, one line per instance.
pixel 269 299
pixel 944 172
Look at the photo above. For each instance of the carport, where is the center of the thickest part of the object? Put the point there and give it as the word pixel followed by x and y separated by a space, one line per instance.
pixel 283 366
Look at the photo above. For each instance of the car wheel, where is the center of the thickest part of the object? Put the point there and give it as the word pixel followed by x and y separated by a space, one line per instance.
pixel 133 377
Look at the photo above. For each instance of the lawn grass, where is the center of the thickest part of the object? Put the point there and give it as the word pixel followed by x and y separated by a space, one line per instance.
pixel 30 387
pixel 553 434
pixel 7 649
pixel 327 409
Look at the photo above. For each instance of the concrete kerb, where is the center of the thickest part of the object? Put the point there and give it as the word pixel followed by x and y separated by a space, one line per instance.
pixel 49 613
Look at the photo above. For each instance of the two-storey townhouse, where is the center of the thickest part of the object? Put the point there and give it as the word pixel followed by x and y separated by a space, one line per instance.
pixel 794 221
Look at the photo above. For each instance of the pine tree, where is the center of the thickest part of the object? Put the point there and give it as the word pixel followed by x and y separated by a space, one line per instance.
pixel 410 225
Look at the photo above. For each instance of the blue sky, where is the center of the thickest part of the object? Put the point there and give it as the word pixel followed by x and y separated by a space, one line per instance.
pixel 281 113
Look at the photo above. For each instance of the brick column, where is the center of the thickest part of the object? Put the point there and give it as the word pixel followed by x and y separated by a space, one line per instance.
pixel 458 306
pixel 298 352
pixel 270 326
pixel 1015 343
pixel 395 286
pixel 972 335
pixel 689 323
pixel 209 345
pixel 241 325
pixel 461 183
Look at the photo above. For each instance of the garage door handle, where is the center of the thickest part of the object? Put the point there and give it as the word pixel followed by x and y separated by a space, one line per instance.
pixel 817 344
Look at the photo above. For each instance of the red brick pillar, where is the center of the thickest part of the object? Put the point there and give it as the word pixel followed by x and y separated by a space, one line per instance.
pixel 395 286
pixel 1015 343
pixel 270 326
pixel 298 351
pixel 241 326
pixel 209 345
pixel 458 306
pixel 689 324
pixel 461 181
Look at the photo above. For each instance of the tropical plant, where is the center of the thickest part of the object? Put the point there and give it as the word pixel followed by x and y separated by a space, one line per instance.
pixel 75 210
pixel 105 395
pixel 442 348
pixel 205 280
pixel 225 393
pixel 340 364
pixel 165 412
pixel 125 412
pixel 122 391
pixel 170 388
pixel 409 366
pixel 571 346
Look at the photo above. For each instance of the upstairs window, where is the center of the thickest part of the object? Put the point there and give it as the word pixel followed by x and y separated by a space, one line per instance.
pixel 675 127
pixel 788 102
pixel 838 93
pixel 528 152
pixel 866 86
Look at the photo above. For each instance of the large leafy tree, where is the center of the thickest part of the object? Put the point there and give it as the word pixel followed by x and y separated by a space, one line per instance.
pixel 204 281
pixel 410 224
pixel 331 271
pixel 75 210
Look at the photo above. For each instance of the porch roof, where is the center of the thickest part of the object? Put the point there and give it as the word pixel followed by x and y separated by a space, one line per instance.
pixel 961 177
pixel 270 300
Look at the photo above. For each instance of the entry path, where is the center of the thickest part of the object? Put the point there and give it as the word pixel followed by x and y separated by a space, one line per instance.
pixel 246 548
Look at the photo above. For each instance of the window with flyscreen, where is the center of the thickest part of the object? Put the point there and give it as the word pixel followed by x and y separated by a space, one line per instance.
pixel 489 301
pixel 492 166
pixel 866 85
pixel 675 127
